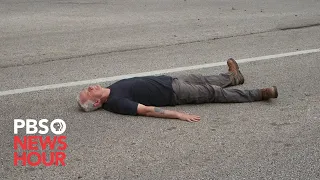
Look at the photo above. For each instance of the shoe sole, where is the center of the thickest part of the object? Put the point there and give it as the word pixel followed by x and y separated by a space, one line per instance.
pixel 235 62
pixel 275 91
pixel 237 66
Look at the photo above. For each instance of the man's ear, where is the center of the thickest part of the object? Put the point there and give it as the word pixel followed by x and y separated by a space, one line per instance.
pixel 97 103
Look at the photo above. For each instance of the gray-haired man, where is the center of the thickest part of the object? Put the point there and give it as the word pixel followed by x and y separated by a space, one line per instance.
pixel 144 95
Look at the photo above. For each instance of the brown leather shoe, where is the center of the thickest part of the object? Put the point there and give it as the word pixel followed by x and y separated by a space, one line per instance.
pixel 268 93
pixel 234 69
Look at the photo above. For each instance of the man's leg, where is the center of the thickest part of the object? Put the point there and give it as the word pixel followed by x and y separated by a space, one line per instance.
pixel 222 80
pixel 188 93
pixel 231 78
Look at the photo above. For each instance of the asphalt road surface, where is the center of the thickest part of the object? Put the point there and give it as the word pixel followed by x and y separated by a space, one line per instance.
pixel 51 49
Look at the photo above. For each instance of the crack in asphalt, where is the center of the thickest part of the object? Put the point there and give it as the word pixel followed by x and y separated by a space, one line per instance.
pixel 151 47
pixel 299 27
pixel 80 3
pixel 61 2
pixel 127 50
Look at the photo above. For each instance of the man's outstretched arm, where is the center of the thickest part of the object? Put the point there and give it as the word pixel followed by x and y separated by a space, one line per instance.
pixel 161 113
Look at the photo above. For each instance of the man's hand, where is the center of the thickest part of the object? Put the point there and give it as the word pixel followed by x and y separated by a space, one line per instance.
pixel 161 113
pixel 189 117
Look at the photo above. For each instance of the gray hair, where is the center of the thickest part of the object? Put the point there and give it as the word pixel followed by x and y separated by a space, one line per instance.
pixel 86 106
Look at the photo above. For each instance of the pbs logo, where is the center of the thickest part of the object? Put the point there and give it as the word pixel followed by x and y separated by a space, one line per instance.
pixel 58 126
pixel 32 126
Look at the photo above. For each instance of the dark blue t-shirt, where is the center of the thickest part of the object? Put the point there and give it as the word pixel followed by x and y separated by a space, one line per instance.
pixel 149 90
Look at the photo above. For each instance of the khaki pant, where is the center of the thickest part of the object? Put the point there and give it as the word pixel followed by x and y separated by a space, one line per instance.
pixel 197 89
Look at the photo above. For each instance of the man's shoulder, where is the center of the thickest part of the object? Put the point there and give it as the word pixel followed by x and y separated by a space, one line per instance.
pixel 112 99
pixel 115 99
pixel 121 105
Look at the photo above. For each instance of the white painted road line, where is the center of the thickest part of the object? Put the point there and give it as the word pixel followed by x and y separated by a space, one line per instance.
pixel 164 71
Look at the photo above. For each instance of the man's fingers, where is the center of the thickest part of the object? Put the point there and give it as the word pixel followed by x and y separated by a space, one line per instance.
pixel 196 117
pixel 192 118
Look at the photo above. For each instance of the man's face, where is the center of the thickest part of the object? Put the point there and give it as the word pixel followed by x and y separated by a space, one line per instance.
pixel 92 93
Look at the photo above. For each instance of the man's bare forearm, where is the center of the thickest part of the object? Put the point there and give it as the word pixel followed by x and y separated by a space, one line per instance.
pixel 161 113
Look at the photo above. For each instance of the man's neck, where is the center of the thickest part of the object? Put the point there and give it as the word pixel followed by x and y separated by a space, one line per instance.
pixel 106 93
